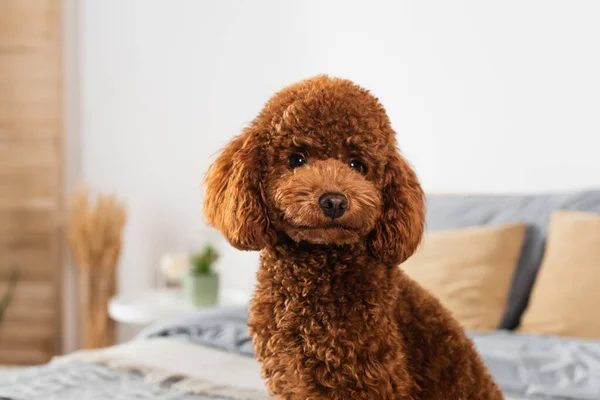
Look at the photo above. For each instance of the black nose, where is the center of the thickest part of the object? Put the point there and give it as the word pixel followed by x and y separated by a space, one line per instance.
pixel 334 205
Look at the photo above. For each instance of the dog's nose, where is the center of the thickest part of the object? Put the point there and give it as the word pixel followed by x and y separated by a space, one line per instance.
pixel 334 205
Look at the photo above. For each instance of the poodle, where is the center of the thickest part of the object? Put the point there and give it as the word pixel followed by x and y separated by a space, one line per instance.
pixel 316 183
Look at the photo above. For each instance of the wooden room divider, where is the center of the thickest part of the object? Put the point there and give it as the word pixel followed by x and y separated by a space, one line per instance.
pixel 31 188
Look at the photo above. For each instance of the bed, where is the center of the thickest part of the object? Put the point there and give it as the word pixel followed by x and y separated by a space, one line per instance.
pixel 208 355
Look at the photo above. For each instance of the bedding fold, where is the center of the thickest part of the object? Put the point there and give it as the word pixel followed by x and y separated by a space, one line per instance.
pixel 187 367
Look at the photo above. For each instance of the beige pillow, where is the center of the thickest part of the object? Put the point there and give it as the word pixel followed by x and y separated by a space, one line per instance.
pixel 469 270
pixel 566 296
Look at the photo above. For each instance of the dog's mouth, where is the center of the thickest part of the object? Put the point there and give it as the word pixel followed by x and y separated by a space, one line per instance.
pixel 325 227
pixel 324 233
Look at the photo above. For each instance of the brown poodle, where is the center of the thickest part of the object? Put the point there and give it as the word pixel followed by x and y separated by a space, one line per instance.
pixel 317 184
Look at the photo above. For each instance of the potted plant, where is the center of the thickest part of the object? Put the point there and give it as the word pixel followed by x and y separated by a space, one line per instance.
pixel 201 285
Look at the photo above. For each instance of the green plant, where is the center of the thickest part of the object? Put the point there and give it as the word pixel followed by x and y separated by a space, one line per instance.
pixel 9 293
pixel 202 262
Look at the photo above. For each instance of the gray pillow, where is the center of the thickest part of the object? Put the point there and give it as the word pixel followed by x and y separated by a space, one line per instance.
pixel 447 212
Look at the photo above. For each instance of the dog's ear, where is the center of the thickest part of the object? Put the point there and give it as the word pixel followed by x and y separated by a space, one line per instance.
pixel 234 199
pixel 400 227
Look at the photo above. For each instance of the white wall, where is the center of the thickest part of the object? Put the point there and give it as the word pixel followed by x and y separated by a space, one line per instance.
pixel 485 96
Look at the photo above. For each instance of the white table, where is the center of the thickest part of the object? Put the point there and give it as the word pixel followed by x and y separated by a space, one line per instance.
pixel 158 304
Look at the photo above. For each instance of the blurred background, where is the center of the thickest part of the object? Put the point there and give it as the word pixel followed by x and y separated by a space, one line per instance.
pixel 135 98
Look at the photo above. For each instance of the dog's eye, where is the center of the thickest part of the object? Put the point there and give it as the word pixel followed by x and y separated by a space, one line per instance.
pixel 296 160
pixel 358 165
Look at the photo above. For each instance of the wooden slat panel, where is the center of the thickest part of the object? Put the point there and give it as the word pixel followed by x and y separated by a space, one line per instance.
pixel 32 294
pixel 29 331
pixel 19 241
pixel 26 342
pixel 41 270
pixel 27 221
pixel 29 95
pixel 35 120
pixel 29 327
pixel 32 71
pixel 21 356
pixel 27 78
pixel 28 182
pixel 30 177
pixel 28 154
pixel 27 23
pixel 28 323
pixel 35 264
pixel 23 314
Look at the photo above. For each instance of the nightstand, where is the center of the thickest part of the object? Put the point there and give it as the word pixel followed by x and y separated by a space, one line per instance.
pixel 158 304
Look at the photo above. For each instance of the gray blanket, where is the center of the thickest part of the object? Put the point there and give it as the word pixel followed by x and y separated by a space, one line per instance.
pixel 83 381
pixel 542 367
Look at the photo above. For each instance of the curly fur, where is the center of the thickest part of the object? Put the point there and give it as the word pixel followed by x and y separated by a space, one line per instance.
pixel 333 317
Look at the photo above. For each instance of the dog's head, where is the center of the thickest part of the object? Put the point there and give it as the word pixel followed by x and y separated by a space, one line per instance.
pixel 320 165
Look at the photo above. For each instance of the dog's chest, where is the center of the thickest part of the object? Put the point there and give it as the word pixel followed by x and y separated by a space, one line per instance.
pixel 323 292
pixel 324 303
pixel 309 323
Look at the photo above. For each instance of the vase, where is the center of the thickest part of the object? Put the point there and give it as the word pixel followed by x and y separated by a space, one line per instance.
pixel 201 290
pixel 96 286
